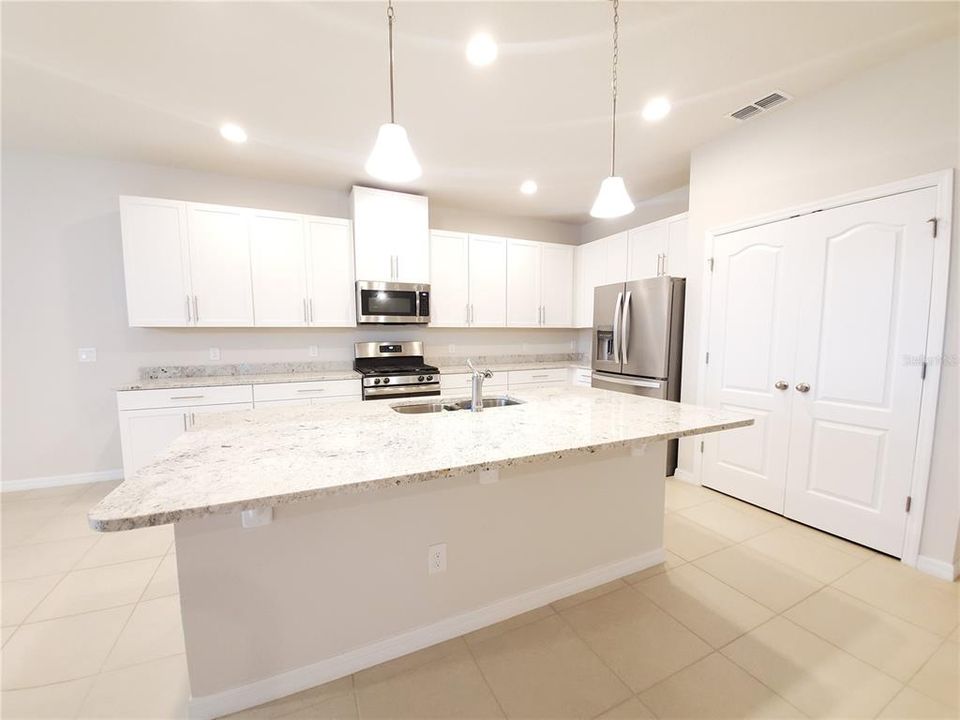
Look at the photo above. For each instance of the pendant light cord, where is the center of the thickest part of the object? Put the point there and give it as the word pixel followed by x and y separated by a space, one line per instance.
pixel 390 43
pixel 616 52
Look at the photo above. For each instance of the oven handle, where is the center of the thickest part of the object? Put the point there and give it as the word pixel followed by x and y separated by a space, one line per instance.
pixel 410 390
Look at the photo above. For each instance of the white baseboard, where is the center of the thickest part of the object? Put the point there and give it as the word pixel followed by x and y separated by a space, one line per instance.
pixel 61 480
pixel 937 568
pixel 302 678
pixel 684 476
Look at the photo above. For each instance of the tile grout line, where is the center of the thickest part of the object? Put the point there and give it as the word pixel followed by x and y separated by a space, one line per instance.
pixel 483 675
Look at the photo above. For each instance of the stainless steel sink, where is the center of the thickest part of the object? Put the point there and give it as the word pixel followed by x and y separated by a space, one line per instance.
pixel 419 408
pixel 453 405
pixel 490 402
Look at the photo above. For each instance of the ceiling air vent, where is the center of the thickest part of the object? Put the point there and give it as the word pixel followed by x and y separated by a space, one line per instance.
pixel 758 106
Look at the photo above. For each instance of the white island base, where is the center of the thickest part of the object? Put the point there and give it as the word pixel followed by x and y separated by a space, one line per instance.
pixel 339 584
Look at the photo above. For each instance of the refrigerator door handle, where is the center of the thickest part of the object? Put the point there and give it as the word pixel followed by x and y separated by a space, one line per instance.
pixel 632 382
pixel 616 327
pixel 625 328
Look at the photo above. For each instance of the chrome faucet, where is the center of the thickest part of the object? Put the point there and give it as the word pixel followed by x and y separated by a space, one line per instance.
pixel 476 395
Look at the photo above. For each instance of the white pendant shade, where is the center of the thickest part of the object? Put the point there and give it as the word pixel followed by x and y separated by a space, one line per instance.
pixel 612 200
pixel 392 158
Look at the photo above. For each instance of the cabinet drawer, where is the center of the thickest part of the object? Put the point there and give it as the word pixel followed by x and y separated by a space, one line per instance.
pixel 581 376
pixel 183 397
pixel 311 389
pixel 457 382
pixel 522 377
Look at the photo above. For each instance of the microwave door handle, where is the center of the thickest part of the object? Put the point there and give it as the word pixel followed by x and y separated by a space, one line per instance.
pixel 625 329
pixel 616 327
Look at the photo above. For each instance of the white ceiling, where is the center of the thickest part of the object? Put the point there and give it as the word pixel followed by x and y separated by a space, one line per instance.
pixel 153 82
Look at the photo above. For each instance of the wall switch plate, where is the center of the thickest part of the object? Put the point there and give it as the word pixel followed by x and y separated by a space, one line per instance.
pixel 87 354
pixel 214 353
pixel 437 559
pixel 313 350
pixel 257 517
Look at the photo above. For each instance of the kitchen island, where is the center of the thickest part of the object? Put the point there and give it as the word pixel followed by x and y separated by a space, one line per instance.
pixel 391 532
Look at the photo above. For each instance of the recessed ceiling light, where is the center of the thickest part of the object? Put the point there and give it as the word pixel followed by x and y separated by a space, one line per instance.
pixel 656 109
pixel 481 50
pixel 233 133
pixel 528 187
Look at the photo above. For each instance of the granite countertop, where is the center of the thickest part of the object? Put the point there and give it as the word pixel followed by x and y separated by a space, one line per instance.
pixel 273 456
pixel 168 383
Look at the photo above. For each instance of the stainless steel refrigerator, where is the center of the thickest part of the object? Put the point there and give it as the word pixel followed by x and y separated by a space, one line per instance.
pixel 638 340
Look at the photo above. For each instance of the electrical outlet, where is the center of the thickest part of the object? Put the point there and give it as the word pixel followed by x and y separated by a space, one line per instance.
pixel 313 350
pixel 451 348
pixel 87 354
pixel 214 353
pixel 437 558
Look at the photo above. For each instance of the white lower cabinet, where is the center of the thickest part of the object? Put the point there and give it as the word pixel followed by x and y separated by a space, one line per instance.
pixel 144 434
pixel 289 392
pixel 581 377
pixel 455 383
pixel 519 380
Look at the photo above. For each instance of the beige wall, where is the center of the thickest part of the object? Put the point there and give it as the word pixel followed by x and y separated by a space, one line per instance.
pixel 648 211
pixel 352 569
pixel 63 289
pixel 892 122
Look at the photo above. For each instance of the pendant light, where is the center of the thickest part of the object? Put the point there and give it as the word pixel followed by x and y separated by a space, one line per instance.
pixel 392 159
pixel 612 200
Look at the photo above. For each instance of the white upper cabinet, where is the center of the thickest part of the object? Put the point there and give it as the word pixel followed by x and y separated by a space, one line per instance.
pixel 278 269
pixel 220 265
pixel 331 301
pixel 616 257
pixel 155 262
pixel 539 284
pixel 450 279
pixel 556 285
pixel 391 235
pixel 488 281
pixel 677 261
pixel 659 248
pixel 524 308
pixel 647 250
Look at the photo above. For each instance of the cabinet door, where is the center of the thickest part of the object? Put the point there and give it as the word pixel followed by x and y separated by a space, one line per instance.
pixel 144 434
pixel 677 261
pixel 450 272
pixel 590 273
pixel 523 283
pixel 220 265
pixel 155 261
pixel 411 238
pixel 331 296
pixel 615 267
pixel 488 281
pixel 278 267
pixel 647 246
pixel 556 284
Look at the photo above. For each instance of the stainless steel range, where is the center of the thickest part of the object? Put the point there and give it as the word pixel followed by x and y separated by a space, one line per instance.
pixel 395 370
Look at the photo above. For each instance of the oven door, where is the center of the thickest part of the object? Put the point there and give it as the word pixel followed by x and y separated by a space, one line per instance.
pixel 392 303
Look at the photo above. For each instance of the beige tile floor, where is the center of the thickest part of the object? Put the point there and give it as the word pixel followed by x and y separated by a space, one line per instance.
pixel 750 616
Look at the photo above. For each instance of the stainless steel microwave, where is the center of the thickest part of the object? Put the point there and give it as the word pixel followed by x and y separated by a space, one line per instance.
pixel 392 303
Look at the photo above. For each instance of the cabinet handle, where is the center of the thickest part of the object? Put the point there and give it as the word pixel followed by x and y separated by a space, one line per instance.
pixel 193 420
pixel 305 310
pixel 467 306
pixel 398 267
pixel 781 384
pixel 539 377
pixel 311 390
pixel 189 314
pixel 310 306
pixel 196 312
pixel 185 397
pixel 803 387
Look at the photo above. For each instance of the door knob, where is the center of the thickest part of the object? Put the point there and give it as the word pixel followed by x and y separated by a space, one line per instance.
pixel 803 387
pixel 781 385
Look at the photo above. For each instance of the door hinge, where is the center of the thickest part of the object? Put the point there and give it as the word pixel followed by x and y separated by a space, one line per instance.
pixel 923 370
pixel 708 359
pixel 909 503
pixel 935 222
pixel 701 447
pixel 710 260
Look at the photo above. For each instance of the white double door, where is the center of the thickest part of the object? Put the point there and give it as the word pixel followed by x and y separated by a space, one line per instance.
pixel 815 329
